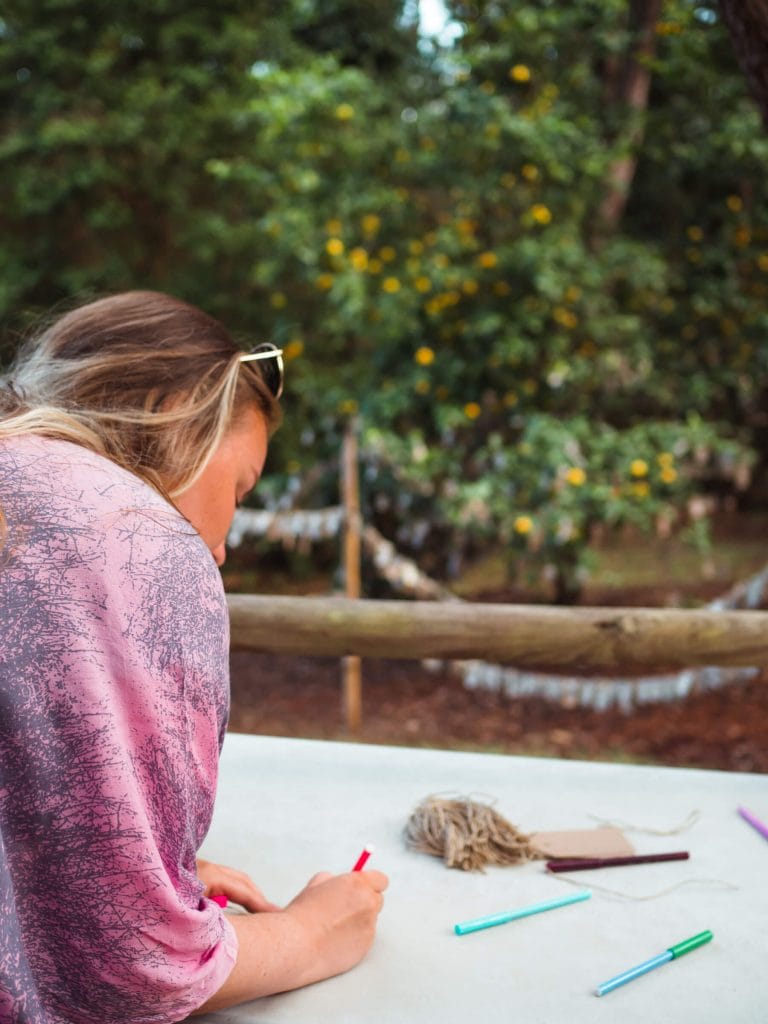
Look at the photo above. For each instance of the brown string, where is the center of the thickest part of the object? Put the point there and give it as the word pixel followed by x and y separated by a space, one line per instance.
pixel 467 834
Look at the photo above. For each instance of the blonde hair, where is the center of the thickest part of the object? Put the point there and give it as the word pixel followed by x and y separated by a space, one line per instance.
pixel 149 381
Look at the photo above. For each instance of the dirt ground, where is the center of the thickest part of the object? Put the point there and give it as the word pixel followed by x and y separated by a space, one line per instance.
pixel 407 705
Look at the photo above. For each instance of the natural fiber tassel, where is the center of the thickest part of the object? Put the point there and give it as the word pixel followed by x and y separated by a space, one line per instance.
pixel 467 834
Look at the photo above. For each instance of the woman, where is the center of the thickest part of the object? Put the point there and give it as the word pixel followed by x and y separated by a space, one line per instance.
pixel 129 430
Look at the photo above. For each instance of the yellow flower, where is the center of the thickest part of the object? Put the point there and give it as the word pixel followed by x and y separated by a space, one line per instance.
pixel 488 88
pixel 374 266
pixel 695 233
pixel 572 293
pixel 522 524
pixel 441 260
pixel 387 253
pixel 576 476
pixel 742 237
pixel 472 410
pixel 422 284
pixel 734 203
pixel 344 112
pixel 530 172
pixel 334 247
pixel 508 180
pixel 277 300
pixel 564 317
pixel 422 386
pixel 641 489
pixel 487 260
pixel 415 247
pixel 371 223
pixel 541 213
pixel 325 282
pixel 424 355
pixel 668 475
pixel 333 226
pixel 520 73
pixel 638 467
pixel 510 399
pixel 293 349
pixel 348 406
pixel 358 257
pixel 469 287
pixel 665 458
pixel 390 285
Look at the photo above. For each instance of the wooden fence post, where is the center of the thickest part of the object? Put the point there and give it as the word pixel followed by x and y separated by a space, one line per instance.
pixel 351 664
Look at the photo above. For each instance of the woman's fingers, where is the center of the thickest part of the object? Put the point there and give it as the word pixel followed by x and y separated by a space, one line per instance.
pixel 237 886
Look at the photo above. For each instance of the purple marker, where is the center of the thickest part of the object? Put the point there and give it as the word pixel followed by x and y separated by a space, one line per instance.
pixel 753 821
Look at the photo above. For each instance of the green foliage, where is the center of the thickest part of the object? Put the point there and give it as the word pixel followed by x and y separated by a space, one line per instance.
pixel 417 228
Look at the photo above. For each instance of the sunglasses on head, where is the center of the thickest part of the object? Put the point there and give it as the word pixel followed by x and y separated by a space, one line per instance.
pixel 272 369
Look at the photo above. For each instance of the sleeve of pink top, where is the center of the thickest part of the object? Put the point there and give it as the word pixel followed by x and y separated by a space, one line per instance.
pixel 119 699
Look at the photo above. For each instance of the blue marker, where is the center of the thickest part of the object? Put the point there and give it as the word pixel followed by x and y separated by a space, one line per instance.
pixel 663 958
pixel 513 915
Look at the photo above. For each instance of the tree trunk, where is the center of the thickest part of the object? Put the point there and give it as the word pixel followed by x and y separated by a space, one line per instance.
pixel 747 22
pixel 629 86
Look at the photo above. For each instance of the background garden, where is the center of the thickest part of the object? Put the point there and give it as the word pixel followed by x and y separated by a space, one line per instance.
pixel 528 263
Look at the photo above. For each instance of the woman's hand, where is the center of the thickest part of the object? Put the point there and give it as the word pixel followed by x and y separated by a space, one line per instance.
pixel 325 930
pixel 338 914
pixel 235 885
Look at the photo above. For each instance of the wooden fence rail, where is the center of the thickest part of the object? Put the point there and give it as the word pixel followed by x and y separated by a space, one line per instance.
pixel 595 640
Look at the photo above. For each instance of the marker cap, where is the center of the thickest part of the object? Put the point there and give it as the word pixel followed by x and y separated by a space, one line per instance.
pixel 689 944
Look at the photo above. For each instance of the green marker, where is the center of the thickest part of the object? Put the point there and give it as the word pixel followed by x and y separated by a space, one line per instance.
pixel 669 954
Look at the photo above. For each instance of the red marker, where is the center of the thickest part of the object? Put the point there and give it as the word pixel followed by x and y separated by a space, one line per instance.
pixel 360 863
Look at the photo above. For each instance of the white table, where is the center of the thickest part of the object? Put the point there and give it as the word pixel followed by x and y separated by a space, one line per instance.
pixel 288 808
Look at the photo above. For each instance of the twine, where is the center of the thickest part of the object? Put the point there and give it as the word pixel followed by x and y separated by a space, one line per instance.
pixel 467 834
pixel 706 883
pixel 627 826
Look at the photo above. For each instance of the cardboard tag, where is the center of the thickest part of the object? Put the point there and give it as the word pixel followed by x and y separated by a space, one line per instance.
pixel 588 842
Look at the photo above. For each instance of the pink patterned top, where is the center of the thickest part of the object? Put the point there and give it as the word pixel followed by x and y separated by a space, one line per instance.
pixel 114 696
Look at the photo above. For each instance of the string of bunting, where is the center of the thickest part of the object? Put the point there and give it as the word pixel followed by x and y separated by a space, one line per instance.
pixel 304 527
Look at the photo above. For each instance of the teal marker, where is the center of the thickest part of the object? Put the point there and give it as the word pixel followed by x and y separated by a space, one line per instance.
pixel 513 915
pixel 663 958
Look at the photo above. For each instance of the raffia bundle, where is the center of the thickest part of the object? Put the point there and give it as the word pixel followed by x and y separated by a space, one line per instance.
pixel 467 834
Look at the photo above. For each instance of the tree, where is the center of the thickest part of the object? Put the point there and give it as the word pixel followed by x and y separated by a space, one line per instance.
pixel 747 23
pixel 417 229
